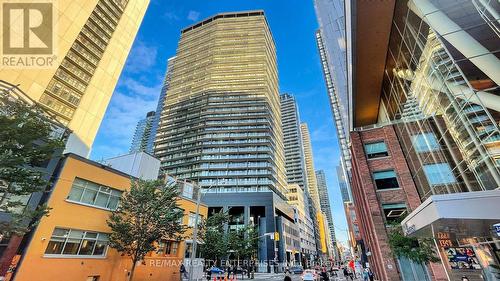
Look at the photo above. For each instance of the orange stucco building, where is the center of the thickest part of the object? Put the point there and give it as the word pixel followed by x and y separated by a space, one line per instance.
pixel 71 243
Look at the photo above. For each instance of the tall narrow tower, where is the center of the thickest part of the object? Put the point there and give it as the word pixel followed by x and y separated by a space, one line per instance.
pixel 312 184
pixel 324 200
pixel 298 195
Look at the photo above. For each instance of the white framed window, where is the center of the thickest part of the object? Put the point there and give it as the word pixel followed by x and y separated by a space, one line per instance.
pixel 73 242
pixel 93 194
pixel 376 150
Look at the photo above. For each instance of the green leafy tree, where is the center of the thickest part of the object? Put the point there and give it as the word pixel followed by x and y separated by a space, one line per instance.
pixel 418 250
pixel 251 242
pixel 26 144
pixel 214 237
pixel 148 213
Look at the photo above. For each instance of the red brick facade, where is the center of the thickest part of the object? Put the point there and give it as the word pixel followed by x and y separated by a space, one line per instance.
pixel 368 200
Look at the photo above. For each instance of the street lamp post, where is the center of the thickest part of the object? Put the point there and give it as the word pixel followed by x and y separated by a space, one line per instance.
pixel 195 231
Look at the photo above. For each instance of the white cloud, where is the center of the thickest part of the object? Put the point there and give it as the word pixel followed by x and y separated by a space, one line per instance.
pixel 128 105
pixel 141 58
pixel 323 133
pixel 193 15
pixel 140 89
pixel 170 15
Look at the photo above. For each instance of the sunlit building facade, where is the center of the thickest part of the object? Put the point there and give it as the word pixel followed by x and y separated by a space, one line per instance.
pixel 92 40
pixel 324 200
pixel 220 124
pixel 297 193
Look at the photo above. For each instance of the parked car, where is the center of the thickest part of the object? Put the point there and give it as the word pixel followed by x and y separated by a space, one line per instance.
pixel 216 270
pixel 310 275
pixel 296 269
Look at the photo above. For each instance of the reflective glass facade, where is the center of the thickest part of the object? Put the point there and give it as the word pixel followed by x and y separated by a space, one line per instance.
pixel 441 88
pixel 142 134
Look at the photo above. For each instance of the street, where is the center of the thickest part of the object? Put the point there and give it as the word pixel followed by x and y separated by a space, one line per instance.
pixel 295 277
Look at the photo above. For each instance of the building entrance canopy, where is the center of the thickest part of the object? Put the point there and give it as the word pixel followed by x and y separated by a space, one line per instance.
pixel 470 214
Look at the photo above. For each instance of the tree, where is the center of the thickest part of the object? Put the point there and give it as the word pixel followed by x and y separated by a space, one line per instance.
pixel 418 250
pixel 214 237
pixel 27 142
pixel 244 241
pixel 148 213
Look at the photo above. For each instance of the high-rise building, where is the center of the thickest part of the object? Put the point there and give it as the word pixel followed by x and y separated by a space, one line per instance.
pixel 92 40
pixel 220 124
pixel 142 134
pixel 312 191
pixel 344 190
pixel 161 102
pixel 324 201
pixel 335 105
pixel 312 185
pixel 297 195
pixel 294 154
pixel 430 69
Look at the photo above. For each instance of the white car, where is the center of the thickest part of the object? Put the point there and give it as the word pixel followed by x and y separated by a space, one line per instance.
pixel 310 275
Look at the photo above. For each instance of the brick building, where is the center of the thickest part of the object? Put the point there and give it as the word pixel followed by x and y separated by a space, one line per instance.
pixel 383 191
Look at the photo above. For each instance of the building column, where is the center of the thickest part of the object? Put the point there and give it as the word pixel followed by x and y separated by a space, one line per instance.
pixel 459 38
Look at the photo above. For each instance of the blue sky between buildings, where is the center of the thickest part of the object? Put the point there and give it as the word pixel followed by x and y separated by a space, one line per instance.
pixel 293 24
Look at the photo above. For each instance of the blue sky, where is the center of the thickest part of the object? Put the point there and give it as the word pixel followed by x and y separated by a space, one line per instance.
pixel 293 24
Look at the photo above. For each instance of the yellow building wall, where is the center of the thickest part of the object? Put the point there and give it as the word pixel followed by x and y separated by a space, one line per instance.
pixel 70 17
pixel 64 214
pixel 322 233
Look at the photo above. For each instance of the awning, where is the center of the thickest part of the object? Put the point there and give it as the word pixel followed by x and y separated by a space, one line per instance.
pixel 467 214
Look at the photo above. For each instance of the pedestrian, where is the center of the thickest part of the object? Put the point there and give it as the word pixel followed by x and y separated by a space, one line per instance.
pixel 209 273
pixel 346 273
pixel 324 275
pixel 287 277
pixel 351 275
pixel 366 276
pixel 183 272
pixel 371 275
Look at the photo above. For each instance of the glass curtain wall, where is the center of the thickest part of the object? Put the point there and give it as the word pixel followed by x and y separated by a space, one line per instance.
pixel 441 88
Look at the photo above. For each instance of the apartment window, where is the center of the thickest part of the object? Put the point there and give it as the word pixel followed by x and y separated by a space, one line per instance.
pixel 90 193
pixel 376 149
pixel 425 142
pixel 439 173
pixel 171 248
pixel 187 190
pixel 191 219
pixel 394 212
pixel 71 242
pixel 167 248
pixel 385 179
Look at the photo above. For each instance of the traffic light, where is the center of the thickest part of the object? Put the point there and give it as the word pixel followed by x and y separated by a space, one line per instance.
pixel 276 236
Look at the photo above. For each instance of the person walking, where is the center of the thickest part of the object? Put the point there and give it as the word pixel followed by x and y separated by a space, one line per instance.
pixel 324 275
pixel 183 272
pixel 346 273
pixel 371 275
pixel 366 276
